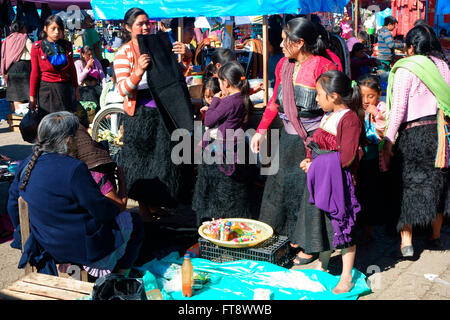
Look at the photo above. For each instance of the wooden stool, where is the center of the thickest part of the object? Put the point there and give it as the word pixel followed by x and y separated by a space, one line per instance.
pixel 25 233
pixel 37 286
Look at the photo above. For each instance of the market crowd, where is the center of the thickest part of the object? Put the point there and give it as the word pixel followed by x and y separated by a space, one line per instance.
pixel 348 160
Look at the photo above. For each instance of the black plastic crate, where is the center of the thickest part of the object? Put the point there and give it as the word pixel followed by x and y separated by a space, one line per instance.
pixel 274 250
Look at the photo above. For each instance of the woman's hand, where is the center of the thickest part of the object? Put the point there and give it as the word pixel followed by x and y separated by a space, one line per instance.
pixel 32 104
pixel 256 142
pixel 203 110
pixel 89 64
pixel 387 148
pixel 258 88
pixel 305 164
pixel 372 110
pixel 180 48
pixel 142 64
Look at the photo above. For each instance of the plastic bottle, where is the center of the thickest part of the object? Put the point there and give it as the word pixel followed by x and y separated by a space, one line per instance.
pixel 186 276
pixel 153 292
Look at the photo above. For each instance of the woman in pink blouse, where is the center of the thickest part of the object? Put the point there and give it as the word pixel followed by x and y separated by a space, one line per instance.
pixel 412 140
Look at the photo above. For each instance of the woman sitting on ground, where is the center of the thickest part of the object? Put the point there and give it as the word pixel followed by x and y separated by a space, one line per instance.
pixel 70 220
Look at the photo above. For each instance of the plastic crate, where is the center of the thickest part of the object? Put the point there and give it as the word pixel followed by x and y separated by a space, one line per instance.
pixel 274 250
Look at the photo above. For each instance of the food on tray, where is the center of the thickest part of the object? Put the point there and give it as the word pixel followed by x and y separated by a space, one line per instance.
pixel 224 230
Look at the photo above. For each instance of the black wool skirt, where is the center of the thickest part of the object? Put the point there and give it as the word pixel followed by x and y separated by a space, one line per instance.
pixel 18 87
pixel 55 96
pixel 150 174
pixel 313 230
pixel 217 195
pixel 421 190
pixel 283 191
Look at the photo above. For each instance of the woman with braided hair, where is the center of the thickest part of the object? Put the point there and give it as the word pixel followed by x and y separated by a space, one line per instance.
pixel 70 220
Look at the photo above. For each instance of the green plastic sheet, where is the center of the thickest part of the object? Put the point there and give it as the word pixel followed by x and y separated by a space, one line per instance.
pixel 238 280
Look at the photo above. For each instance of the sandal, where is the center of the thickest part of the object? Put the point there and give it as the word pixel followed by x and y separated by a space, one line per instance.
pixel 301 261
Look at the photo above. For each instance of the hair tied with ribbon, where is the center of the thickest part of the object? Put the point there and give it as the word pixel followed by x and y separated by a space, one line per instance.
pixel 243 78
pixel 354 83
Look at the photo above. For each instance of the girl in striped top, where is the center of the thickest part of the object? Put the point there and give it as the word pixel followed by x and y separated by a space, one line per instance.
pixel 152 178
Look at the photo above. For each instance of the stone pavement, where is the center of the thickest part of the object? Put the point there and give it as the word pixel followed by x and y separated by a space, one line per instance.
pixel 390 278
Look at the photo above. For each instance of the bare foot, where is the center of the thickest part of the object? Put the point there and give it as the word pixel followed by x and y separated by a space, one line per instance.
pixel 344 285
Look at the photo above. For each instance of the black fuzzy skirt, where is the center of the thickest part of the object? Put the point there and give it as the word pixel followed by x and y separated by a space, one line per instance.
pixel 313 230
pixel 18 88
pixel 282 198
pixel 150 174
pixel 421 190
pixel 217 195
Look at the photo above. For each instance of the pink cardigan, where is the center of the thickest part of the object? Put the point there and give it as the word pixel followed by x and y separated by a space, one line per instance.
pixel 411 98
pixel 82 72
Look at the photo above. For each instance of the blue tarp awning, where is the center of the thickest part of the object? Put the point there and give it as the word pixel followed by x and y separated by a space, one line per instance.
pixel 115 10
pixel 443 7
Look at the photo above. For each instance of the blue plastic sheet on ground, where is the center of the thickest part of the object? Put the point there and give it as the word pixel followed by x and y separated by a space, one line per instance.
pixel 238 280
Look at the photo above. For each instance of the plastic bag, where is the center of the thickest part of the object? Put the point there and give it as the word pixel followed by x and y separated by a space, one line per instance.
pixel 118 287
pixel 29 125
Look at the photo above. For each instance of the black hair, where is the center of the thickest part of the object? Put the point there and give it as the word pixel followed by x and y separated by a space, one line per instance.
pixel 130 17
pixel 114 34
pixel 174 25
pixel 222 56
pixel 425 42
pixel 315 19
pixel 234 73
pixel 443 32
pixel 275 21
pixel 209 71
pixel 275 39
pixel 212 84
pixel 338 82
pixel 389 20
pixel 49 21
pixel 302 28
pixel 356 47
pixel 371 81
pixel 17 26
pixel 420 22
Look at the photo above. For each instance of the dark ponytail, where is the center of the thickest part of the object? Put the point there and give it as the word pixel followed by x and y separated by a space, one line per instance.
pixel 37 151
pixel 49 21
pixel 235 75
pixel 315 43
pixel 348 91
pixel 129 19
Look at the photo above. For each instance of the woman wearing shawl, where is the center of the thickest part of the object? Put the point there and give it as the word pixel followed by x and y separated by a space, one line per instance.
pixel 53 75
pixel 294 101
pixel 16 65
pixel 418 97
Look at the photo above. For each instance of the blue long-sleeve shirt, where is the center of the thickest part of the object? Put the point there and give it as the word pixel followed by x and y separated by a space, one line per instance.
pixel 386 44
pixel 69 216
